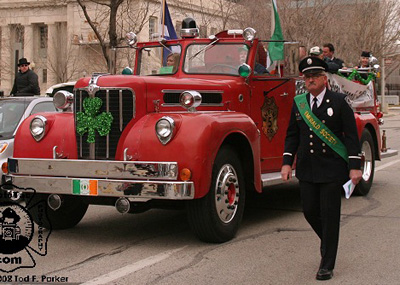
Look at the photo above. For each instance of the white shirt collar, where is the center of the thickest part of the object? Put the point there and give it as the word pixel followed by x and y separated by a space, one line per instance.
pixel 320 97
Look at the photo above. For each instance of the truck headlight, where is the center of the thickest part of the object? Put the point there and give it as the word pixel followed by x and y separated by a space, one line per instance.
pixel 38 127
pixel 165 129
pixel 63 100
pixel 190 100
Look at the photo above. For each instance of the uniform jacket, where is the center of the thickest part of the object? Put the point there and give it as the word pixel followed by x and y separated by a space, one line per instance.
pixel 316 161
pixel 26 84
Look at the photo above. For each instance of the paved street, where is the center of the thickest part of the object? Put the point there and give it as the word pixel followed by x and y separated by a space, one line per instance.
pixel 274 245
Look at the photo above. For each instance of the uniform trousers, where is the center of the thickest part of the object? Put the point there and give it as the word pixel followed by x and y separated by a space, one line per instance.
pixel 321 206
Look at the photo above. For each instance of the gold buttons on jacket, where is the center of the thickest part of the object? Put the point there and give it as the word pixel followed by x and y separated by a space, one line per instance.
pixel 311 150
pixel 311 143
pixel 323 121
pixel 311 136
pixel 324 150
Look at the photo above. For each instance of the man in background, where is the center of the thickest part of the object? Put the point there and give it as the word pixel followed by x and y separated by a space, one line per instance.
pixel 26 81
pixel 333 62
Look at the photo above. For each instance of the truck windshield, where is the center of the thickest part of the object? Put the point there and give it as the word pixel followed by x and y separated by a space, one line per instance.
pixel 156 60
pixel 10 114
pixel 215 59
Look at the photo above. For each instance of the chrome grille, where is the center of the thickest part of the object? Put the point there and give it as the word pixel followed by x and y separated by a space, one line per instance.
pixel 121 104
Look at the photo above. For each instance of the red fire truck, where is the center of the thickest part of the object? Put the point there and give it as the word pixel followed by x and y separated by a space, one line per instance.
pixel 201 133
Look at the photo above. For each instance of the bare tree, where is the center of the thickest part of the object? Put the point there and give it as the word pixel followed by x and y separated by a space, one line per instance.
pixel 111 19
pixel 112 7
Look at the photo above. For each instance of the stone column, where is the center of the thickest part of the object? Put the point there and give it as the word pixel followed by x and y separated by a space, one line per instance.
pixel 29 43
pixel 6 60
pixel 52 51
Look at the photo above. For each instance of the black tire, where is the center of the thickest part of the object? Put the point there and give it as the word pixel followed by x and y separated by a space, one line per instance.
pixel 67 216
pixel 367 164
pixel 216 217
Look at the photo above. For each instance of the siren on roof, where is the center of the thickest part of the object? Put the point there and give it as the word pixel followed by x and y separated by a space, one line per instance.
pixel 189 28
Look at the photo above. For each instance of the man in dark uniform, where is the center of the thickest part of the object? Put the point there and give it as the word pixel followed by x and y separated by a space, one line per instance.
pixel 26 81
pixel 322 132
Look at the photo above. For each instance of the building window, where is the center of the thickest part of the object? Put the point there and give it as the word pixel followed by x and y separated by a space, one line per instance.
pixel 178 28
pixel 203 31
pixel 44 75
pixel 152 27
pixel 43 36
pixel 19 34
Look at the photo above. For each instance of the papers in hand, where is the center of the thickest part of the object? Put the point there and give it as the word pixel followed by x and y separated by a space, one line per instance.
pixel 348 188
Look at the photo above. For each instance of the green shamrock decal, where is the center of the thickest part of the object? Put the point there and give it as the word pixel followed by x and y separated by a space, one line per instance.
pixel 88 121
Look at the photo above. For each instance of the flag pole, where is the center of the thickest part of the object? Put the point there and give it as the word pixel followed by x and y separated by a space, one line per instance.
pixel 163 18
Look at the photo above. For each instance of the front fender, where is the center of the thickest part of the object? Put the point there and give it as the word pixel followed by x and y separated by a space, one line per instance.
pixel 196 141
pixel 60 132
pixel 368 121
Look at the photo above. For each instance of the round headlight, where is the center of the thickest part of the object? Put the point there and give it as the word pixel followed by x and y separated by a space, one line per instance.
pixel 244 70
pixel 38 127
pixel 249 34
pixel 63 100
pixel 164 129
pixel 190 100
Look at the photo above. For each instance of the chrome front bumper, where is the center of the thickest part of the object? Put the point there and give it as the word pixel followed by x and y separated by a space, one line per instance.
pixel 129 179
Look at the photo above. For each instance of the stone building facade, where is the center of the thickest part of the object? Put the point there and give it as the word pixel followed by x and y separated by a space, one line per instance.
pixel 60 44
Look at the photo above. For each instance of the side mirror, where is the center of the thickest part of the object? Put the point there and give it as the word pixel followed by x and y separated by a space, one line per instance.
pixel 131 38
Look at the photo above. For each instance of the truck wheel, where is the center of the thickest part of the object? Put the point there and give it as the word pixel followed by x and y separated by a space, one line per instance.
pixel 67 216
pixel 216 217
pixel 367 164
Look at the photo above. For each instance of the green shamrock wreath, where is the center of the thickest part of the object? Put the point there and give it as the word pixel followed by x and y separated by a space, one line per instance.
pixel 88 121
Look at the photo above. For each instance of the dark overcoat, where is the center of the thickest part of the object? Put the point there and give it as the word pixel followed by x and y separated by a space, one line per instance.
pixel 26 84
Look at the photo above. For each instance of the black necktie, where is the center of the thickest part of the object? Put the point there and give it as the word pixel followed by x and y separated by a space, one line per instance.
pixel 315 105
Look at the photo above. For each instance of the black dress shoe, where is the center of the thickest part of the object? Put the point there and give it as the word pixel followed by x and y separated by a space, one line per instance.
pixel 324 274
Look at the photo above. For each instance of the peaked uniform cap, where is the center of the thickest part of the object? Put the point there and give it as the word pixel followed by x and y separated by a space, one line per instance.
pixel 312 64
pixel 365 54
pixel 315 51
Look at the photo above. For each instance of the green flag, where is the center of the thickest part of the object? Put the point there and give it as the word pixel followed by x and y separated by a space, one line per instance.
pixel 275 49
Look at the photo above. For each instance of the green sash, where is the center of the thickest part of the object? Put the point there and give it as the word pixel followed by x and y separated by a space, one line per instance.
pixel 322 131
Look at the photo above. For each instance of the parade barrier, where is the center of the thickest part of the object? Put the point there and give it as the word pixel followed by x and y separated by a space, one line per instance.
pixel 390 99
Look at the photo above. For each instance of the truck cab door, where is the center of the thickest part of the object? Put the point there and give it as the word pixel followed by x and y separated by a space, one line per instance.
pixel 271 104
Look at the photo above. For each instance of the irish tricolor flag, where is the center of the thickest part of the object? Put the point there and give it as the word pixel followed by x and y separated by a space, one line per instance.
pixel 84 187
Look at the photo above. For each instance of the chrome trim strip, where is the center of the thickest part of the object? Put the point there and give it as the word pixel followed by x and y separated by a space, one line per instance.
pixel 164 190
pixel 108 169
pixel 200 91
pixel 121 119
pixel 274 178
pixel 80 137
pixel 108 136
pixel 202 104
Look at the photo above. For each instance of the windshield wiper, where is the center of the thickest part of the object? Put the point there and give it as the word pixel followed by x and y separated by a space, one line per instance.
pixel 204 48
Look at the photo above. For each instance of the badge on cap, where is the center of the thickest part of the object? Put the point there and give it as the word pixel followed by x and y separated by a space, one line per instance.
pixel 309 61
pixel 330 112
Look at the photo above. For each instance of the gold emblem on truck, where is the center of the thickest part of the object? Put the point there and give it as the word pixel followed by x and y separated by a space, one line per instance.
pixel 269 113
